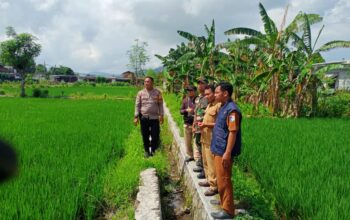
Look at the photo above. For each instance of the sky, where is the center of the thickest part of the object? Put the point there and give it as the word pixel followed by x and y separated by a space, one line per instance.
pixel 95 35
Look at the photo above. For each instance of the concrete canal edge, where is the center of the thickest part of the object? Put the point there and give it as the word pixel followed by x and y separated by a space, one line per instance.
pixel 201 207
pixel 148 205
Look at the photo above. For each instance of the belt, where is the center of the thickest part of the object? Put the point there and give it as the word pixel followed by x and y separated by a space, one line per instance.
pixel 148 117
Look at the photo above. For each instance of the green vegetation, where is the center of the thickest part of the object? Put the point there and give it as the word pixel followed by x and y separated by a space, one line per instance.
pixel 274 67
pixel 77 91
pixel 337 105
pixel 138 57
pixel 123 177
pixel 173 102
pixel 19 52
pixel 303 163
pixel 64 147
pixel 297 163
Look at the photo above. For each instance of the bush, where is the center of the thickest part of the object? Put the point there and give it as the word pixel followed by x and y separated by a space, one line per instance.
pixel 2 92
pixel 38 93
pixel 337 105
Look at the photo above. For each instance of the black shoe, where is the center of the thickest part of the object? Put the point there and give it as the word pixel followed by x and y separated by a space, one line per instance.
pixel 198 169
pixel 221 215
pixel 199 163
pixel 214 202
pixel 201 175
pixel 210 192
pixel 204 184
pixel 147 154
pixel 188 159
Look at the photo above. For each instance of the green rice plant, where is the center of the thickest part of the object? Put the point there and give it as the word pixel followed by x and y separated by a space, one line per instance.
pixel 122 179
pixel 64 148
pixel 303 163
pixel 173 102
pixel 72 90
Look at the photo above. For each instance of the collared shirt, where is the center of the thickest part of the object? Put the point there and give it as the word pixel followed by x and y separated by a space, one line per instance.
pixel 201 104
pixel 209 117
pixel 149 104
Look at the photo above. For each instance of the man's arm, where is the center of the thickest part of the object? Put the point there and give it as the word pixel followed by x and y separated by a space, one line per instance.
pixel 183 107
pixel 233 126
pixel 137 108
pixel 137 105
pixel 209 124
pixel 161 108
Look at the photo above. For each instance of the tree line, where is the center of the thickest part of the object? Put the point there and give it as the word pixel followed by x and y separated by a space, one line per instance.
pixel 275 67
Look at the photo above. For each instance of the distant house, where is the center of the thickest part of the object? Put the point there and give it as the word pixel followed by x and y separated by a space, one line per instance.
pixel 128 75
pixel 341 75
pixel 4 69
pixel 88 78
pixel 63 78
pixel 8 74
pixel 39 76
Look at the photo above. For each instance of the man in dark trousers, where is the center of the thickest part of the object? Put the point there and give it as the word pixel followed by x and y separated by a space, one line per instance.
pixel 149 111
pixel 225 144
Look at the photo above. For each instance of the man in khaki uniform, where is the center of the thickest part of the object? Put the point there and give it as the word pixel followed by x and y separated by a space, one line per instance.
pixel 201 104
pixel 206 135
pixel 149 111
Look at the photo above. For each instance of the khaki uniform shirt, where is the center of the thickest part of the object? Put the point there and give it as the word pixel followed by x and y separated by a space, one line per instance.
pixel 149 104
pixel 209 117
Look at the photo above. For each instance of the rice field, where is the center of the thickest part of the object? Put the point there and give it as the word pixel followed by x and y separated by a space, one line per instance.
pixel 304 163
pixel 64 149
pixel 73 90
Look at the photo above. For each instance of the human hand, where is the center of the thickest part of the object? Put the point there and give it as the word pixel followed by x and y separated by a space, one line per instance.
pixel 226 159
pixel 201 125
pixel 161 119
pixel 136 121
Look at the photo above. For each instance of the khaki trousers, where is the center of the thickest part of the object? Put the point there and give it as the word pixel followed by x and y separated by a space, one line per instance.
pixel 209 166
pixel 188 140
pixel 198 148
pixel 225 187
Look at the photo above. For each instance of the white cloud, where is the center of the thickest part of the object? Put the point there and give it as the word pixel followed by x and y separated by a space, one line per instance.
pixel 43 5
pixel 94 35
pixel 3 4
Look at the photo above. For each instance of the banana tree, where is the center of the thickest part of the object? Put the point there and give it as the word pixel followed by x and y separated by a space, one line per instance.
pixel 207 54
pixel 313 55
pixel 271 48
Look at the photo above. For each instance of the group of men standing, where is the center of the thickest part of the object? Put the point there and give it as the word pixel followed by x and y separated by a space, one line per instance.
pixel 212 121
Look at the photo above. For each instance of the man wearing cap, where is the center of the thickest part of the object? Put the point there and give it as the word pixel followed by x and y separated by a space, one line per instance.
pixel 225 144
pixel 201 104
pixel 206 135
pixel 187 110
pixel 149 111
